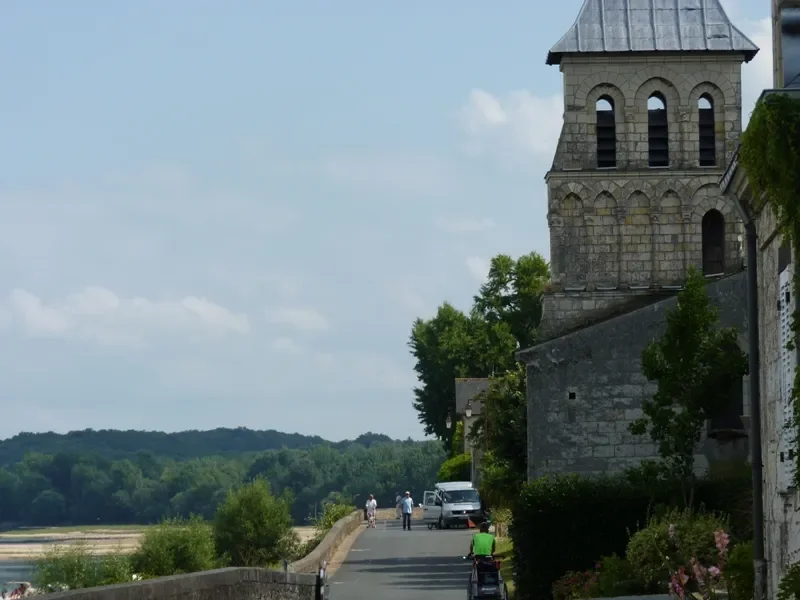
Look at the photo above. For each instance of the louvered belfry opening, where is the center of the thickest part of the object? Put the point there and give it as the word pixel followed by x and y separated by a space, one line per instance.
pixel 606 133
pixel 657 131
pixel 708 141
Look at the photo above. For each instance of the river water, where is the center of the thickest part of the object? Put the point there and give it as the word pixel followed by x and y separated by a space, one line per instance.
pixel 14 570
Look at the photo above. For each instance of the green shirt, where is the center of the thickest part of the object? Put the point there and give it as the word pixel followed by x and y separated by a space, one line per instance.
pixel 482 544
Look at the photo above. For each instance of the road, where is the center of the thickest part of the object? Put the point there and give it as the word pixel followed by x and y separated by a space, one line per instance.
pixel 387 563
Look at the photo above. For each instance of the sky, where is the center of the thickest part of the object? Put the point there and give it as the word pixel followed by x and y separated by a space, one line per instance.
pixel 229 214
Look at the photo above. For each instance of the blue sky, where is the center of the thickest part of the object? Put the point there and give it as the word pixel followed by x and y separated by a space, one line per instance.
pixel 224 214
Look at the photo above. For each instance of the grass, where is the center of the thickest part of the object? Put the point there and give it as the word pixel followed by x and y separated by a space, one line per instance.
pixel 66 529
pixel 504 551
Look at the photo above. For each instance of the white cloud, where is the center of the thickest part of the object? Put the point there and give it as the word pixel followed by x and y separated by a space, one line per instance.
pixel 478 267
pixel 98 314
pixel 36 317
pixel 464 224
pixel 284 345
pixel 516 127
pixel 304 319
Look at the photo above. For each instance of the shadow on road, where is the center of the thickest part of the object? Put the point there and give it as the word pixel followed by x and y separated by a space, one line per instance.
pixel 421 572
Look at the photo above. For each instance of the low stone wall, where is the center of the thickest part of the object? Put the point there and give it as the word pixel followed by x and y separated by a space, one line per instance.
pixel 340 530
pixel 221 584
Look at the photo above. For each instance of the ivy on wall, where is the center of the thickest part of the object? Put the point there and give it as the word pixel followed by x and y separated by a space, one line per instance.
pixel 770 156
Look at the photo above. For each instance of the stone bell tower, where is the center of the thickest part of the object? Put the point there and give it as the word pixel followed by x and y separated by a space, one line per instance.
pixel 652 113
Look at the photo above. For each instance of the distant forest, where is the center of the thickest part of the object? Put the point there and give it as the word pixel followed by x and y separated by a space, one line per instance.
pixel 116 444
pixel 128 477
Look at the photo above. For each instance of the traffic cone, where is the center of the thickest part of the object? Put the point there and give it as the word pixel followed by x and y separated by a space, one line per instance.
pixel 470 524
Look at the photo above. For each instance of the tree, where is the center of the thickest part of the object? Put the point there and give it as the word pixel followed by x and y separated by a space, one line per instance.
pixel 85 488
pixel 175 546
pixel 444 347
pixel 502 429
pixel 512 294
pixel 506 312
pixel 252 527
pixel 457 468
pixel 457 447
pixel 696 365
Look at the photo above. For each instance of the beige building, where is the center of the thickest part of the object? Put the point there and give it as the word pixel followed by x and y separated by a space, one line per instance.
pixel 776 303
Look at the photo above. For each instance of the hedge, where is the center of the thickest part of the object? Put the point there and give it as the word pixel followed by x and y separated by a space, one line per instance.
pixel 457 468
pixel 567 523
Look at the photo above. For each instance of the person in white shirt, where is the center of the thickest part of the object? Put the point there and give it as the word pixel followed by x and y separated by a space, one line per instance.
pixel 408 508
pixel 372 507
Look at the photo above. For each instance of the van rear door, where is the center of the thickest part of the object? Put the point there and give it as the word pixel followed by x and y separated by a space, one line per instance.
pixel 430 512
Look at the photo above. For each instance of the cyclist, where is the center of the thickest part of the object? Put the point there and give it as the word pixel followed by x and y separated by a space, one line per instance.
pixel 483 543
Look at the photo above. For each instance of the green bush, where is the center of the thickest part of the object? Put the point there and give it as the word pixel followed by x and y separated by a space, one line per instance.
pixel 75 567
pixel 253 528
pixel 740 572
pixel 694 538
pixel 565 522
pixel 175 546
pixel 331 513
pixel 789 587
pixel 729 489
pixel 611 577
pixel 617 577
pixel 499 482
pixel 458 468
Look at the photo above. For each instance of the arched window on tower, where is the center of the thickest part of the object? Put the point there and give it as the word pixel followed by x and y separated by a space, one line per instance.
pixel 657 131
pixel 708 138
pixel 713 243
pixel 606 133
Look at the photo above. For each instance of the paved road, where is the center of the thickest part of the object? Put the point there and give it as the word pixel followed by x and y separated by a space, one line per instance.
pixel 387 563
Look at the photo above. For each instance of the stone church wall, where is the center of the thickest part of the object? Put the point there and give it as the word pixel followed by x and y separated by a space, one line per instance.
pixel 586 387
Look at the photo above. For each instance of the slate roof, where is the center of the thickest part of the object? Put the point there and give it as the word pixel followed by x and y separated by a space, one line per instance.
pixel 652 25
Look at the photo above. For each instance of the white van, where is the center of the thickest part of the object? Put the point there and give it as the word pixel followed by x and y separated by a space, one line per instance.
pixel 451 503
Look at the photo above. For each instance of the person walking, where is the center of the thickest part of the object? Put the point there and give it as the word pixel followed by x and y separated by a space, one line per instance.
pixel 398 506
pixel 372 507
pixel 408 509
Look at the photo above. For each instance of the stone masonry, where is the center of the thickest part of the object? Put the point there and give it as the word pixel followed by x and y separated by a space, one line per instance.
pixel 635 228
pixel 585 389
pixel 780 495
pixel 623 235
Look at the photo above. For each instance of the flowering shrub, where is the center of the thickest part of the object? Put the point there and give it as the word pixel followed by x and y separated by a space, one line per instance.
pixel 692 571
pixel 680 535
pixel 612 576
pixel 576 585
pixel 704 583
